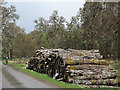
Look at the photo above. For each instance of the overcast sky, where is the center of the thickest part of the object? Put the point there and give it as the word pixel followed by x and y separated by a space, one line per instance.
pixel 29 11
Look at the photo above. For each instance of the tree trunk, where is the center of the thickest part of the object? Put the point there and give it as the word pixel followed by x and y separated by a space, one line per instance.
pixel 11 54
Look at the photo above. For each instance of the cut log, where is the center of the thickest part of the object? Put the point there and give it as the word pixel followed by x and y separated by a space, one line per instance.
pixel 74 66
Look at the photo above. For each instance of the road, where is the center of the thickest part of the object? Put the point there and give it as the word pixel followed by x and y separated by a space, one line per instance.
pixel 12 78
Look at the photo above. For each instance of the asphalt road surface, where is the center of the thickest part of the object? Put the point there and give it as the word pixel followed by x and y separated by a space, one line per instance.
pixel 12 78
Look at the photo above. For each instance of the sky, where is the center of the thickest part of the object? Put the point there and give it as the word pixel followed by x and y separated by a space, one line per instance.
pixel 30 11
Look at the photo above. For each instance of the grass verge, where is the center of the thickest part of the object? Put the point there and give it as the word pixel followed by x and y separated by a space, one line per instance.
pixel 118 71
pixel 45 77
pixel 50 80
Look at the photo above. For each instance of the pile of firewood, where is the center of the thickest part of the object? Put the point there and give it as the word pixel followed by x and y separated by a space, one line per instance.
pixel 74 66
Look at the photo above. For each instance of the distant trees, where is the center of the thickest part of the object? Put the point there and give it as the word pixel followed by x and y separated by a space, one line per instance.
pixel 1 3
pixel 8 29
pixel 15 43
pixel 51 30
pixel 100 21
pixel 60 33
pixel 23 46
pixel 95 26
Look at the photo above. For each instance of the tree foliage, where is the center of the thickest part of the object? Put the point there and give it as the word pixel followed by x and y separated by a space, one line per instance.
pixel 15 43
pixel 95 26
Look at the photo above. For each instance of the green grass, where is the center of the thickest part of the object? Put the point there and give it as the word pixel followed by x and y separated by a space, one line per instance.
pixel 4 61
pixel 19 61
pixel 17 64
pixel 53 81
pixel 46 78
pixel 116 64
pixel 118 71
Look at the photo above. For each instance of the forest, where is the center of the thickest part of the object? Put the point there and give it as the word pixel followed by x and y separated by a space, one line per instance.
pixel 95 26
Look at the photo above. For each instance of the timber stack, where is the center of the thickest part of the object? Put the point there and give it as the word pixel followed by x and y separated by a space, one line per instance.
pixel 81 67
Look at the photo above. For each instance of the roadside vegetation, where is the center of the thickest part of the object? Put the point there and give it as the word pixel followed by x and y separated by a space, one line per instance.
pixel 116 65
pixel 21 67
pixel 46 78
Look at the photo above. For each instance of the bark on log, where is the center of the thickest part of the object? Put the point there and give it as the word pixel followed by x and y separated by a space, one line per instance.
pixel 74 66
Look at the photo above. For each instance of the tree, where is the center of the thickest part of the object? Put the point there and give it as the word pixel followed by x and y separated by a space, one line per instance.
pixel 23 46
pixel 41 24
pixel 39 39
pixel 56 29
pixel 99 20
pixel 8 17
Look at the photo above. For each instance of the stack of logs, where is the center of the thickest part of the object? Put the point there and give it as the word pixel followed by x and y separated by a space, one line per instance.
pixel 83 67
